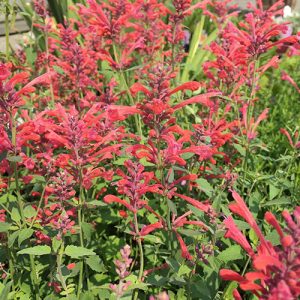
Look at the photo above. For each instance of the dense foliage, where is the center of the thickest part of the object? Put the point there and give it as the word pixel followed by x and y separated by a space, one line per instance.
pixel 150 150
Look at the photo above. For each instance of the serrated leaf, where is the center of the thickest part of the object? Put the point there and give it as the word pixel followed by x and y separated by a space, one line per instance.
pixel 24 235
pixel 95 263
pixel 36 250
pixel 76 251
pixel 231 253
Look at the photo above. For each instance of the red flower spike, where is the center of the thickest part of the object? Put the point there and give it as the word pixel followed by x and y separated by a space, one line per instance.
pixel 201 206
pixel 112 199
pixel 149 228
pixel 192 86
pixel 270 218
pixel 235 234
pixel 231 275
pixel 184 250
pixel 242 210
pixel 202 99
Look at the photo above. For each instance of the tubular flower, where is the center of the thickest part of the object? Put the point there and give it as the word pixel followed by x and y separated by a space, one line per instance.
pixel 276 270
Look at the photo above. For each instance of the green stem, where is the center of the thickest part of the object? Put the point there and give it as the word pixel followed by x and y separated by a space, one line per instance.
pixel 60 275
pixel 39 206
pixel 141 252
pixel 34 277
pixel 80 221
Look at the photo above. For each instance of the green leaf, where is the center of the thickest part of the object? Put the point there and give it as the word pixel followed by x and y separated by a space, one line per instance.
pixel 12 238
pixel 7 198
pixel 15 215
pixel 29 212
pixel 76 251
pixel 95 263
pixel 187 155
pixel 205 186
pixel 171 176
pixel 231 253
pixel 240 149
pixel 36 250
pixel 96 203
pixel 59 70
pixel 183 270
pixel 5 291
pixel 279 201
pixel 15 159
pixel 87 229
pixel 56 244
pixel 172 206
pixel 274 191
pixel 24 235
pixel 120 161
pixel 146 163
pixel 4 227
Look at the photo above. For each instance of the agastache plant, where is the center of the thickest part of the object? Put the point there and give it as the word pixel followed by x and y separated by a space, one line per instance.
pixel 104 146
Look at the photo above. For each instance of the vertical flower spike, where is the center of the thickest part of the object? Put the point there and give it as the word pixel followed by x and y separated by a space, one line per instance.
pixel 276 270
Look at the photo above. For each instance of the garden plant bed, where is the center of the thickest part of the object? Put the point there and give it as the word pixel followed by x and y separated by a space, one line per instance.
pixel 150 150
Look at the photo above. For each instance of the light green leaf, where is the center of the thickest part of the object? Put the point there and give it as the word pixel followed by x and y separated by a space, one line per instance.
pixel 205 186
pixel 36 250
pixel 95 263
pixel 231 253
pixel 15 215
pixel 24 235
pixel 29 212
pixel 76 251
pixel 4 227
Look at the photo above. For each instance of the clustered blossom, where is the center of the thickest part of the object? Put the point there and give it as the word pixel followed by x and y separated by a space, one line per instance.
pixel 275 269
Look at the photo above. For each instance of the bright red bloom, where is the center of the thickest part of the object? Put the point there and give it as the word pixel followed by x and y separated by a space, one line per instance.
pixel 276 269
